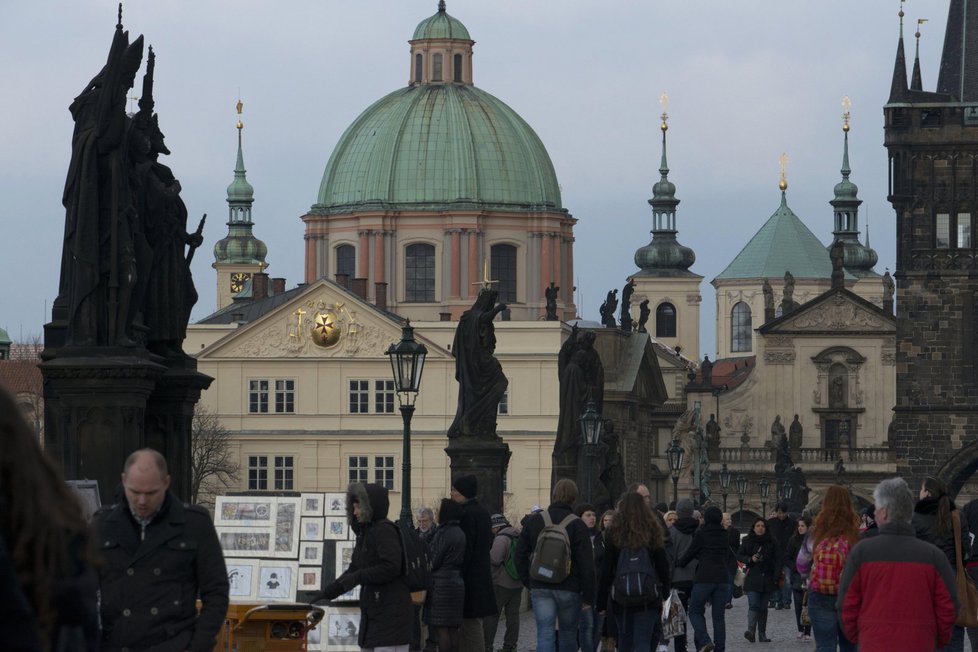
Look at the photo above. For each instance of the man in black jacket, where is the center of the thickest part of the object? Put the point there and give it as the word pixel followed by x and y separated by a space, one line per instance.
pixel 782 527
pixel 711 581
pixel 559 602
pixel 157 555
pixel 480 599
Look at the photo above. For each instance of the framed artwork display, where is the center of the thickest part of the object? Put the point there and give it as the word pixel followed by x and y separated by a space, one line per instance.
pixel 312 529
pixel 243 578
pixel 87 492
pixel 314 638
pixel 344 555
pixel 312 505
pixel 246 541
pixel 335 528
pixel 311 553
pixel 277 580
pixel 310 578
pixel 342 628
pixel 244 511
pixel 287 527
pixel 334 504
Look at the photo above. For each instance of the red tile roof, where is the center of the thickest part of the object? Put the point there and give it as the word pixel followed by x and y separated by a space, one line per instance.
pixel 19 376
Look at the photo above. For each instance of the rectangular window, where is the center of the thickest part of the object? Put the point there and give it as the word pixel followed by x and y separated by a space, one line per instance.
pixel 504 403
pixel 964 231
pixel 384 396
pixel 942 231
pixel 384 470
pixel 258 397
pixel 284 472
pixel 257 472
pixel 358 469
pixel 285 395
pixel 359 396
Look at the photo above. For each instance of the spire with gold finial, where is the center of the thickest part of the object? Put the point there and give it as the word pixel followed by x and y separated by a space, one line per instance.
pixel 783 162
pixel 858 259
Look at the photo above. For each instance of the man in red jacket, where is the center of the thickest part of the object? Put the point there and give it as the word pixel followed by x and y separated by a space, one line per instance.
pixel 896 591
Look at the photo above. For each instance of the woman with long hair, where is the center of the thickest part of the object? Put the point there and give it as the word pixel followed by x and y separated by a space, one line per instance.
pixel 443 606
pixel 798 580
pixel 609 632
pixel 933 521
pixel 834 532
pixel 49 589
pixel 759 553
pixel 635 532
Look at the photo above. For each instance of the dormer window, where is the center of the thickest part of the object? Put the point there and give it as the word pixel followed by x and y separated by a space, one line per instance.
pixel 457 67
pixel 436 67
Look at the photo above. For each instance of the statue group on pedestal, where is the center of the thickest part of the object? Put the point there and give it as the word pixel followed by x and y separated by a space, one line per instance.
pixel 125 268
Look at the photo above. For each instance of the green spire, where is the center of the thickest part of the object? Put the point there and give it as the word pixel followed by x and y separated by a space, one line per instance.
pixel 240 246
pixel 859 259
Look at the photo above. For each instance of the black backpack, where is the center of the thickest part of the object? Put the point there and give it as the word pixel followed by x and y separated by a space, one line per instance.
pixel 416 565
pixel 636 582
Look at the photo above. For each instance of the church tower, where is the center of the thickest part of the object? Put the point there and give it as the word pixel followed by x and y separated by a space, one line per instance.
pixel 932 141
pixel 664 279
pixel 858 259
pixel 239 255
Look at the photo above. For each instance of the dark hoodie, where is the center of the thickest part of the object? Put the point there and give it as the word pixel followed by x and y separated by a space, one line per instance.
pixel 385 602
pixel 680 538
pixel 711 550
pixel 761 574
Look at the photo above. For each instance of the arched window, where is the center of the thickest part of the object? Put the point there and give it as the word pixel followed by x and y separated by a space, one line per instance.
pixel 503 269
pixel 665 320
pixel 418 68
pixel 740 328
pixel 436 68
pixel 346 259
pixel 419 273
pixel 457 67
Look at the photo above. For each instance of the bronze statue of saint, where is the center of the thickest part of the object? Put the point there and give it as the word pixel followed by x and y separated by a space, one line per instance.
pixel 643 316
pixel 788 296
pixel 550 293
pixel 706 367
pixel 608 308
pixel 795 434
pixel 481 381
pixel 581 377
pixel 626 305
pixel 777 431
pixel 712 433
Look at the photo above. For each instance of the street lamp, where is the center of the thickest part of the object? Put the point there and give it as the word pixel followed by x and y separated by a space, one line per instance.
pixel 741 491
pixel 407 363
pixel 724 484
pixel 676 454
pixel 591 426
pixel 763 488
pixel 786 490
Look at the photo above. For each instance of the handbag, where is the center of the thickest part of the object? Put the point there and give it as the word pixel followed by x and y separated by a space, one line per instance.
pixel 739 575
pixel 967 592
pixel 673 617
pixel 805 619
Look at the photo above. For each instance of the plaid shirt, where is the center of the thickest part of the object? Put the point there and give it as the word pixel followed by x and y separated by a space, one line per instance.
pixel 827 561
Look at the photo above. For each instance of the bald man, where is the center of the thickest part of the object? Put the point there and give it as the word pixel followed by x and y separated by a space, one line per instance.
pixel 158 555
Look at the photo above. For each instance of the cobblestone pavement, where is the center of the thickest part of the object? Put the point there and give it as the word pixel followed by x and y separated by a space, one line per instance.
pixel 781 630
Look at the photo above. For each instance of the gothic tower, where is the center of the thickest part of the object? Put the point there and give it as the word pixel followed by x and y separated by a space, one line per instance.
pixel 932 140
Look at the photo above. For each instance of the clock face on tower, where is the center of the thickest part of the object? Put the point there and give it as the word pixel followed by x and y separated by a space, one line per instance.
pixel 238 280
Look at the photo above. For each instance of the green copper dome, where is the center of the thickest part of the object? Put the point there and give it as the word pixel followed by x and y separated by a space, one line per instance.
pixel 431 145
pixel 441 26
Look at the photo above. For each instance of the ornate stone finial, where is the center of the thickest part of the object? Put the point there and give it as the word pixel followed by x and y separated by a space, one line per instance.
pixel 846 104
pixel 783 161
pixel 118 24
pixel 664 102
pixel 441 6
pixel 239 107
pixel 901 14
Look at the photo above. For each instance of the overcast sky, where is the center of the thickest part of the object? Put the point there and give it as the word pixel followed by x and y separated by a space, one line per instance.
pixel 747 81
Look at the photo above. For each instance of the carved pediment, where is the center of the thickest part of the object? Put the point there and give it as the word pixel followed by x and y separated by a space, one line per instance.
pixel 837 313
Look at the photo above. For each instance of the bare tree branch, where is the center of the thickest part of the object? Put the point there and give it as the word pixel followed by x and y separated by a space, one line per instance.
pixel 214 467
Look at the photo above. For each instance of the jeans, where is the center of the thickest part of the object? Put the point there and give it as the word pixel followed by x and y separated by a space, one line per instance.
pixel 717 595
pixel 783 595
pixel 957 641
pixel 550 607
pixel 585 630
pixel 635 627
pixel 825 624
pixel 802 629
pixel 757 601
pixel 508 602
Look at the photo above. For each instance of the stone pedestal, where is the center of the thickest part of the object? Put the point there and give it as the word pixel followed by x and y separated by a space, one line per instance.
pixel 487 460
pixel 95 409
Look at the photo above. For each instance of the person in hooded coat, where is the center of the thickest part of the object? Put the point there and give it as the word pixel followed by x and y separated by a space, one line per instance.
pixel 758 551
pixel 385 602
pixel 480 597
pixel 680 537
pixel 711 580
pixel 445 600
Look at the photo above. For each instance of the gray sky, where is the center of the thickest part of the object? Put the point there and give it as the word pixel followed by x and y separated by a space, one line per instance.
pixel 747 81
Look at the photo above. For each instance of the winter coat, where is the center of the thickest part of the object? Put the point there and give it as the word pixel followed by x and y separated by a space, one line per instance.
pixel 385 602
pixel 443 605
pixel 598 547
pixel 582 576
pixel 480 597
pixel 762 575
pixel 781 532
pixel 897 593
pixel 609 570
pixel 794 545
pixel 733 542
pixel 680 538
pixel 925 518
pixel 150 578
pixel 711 550
pixel 502 545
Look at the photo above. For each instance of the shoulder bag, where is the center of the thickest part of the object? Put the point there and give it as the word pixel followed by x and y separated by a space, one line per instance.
pixel 967 593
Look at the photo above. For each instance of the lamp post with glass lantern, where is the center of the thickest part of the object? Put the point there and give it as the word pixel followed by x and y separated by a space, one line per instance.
pixel 786 491
pixel 724 484
pixel 407 363
pixel 763 488
pixel 741 492
pixel 591 426
pixel 676 455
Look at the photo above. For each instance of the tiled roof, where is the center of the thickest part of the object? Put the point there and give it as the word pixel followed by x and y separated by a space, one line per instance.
pixel 19 376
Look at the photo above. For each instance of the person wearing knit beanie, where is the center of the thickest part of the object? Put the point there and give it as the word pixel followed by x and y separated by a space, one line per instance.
pixel 466 485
